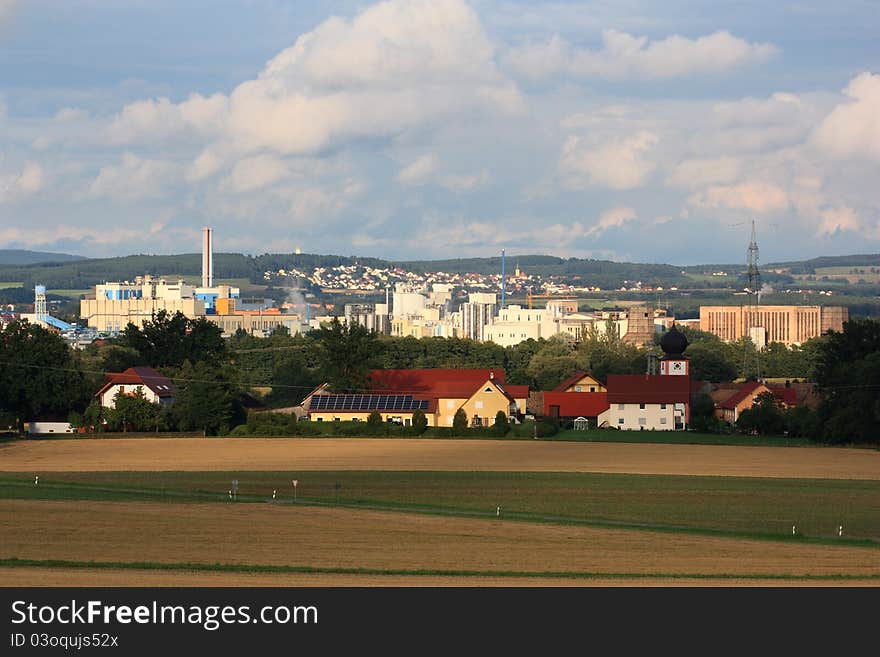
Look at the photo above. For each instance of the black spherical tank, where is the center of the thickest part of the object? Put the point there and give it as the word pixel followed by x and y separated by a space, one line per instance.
pixel 673 342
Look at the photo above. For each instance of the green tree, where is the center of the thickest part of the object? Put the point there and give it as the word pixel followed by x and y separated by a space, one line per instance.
pixel 553 363
pixel 501 426
pixel 168 340
pixel 39 375
pixel 374 420
pixel 709 363
pixel 346 354
pixel 419 421
pixel 133 413
pixel 764 417
pixel 207 399
pixel 460 422
pixel 847 373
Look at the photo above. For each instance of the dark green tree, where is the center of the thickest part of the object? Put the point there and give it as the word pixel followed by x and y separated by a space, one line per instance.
pixel 207 399
pixel 39 375
pixel 168 340
pixel 374 419
pixel 419 421
pixel 460 422
pixel 709 363
pixel 847 371
pixel 501 426
pixel 346 354
pixel 764 417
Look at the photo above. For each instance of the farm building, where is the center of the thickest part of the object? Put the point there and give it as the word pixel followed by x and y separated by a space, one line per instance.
pixel 438 393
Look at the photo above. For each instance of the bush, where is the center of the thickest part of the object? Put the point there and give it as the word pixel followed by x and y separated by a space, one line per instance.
pixel 500 427
pixel 374 420
pixel 419 422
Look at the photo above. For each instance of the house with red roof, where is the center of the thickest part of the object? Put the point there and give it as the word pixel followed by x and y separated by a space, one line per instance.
pixel 732 399
pixel 438 393
pixel 580 382
pixel 156 388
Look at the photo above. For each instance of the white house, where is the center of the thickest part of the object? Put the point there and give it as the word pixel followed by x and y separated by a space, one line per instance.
pixel 155 387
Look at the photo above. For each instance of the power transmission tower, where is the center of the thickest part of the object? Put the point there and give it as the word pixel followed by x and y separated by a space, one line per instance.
pixel 753 317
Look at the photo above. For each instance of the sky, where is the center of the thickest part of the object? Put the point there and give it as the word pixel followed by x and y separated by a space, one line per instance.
pixel 629 130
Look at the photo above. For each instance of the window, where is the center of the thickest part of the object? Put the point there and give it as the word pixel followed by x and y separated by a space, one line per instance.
pixel 488 390
pixel 479 404
pixel 450 404
pixel 578 389
pixel 122 389
pixel 319 419
pixel 643 421
pixel 337 419
pixel 592 388
pixel 641 407
pixel 620 407
pixel 620 420
pixel 662 420
pixel 662 407
pixel 407 422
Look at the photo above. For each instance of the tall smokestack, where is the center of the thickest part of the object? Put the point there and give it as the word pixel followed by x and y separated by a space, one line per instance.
pixel 503 279
pixel 207 258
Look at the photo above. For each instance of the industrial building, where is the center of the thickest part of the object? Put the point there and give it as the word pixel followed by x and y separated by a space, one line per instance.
pixel 790 325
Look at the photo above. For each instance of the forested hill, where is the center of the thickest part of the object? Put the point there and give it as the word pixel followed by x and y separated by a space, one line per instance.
pixel 85 273
pixel 22 257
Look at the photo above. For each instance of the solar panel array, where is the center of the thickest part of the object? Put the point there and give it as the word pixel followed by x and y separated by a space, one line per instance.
pixel 367 403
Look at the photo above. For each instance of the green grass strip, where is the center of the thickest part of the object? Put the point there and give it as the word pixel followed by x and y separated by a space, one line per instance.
pixel 13 562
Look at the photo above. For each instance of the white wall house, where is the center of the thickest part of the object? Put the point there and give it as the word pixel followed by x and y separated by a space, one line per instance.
pixel 156 388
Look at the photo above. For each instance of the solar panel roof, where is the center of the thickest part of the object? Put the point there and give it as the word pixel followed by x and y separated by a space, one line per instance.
pixel 367 403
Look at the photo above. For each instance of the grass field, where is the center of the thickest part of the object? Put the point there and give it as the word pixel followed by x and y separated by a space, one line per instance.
pixel 7 284
pixel 425 513
pixel 743 506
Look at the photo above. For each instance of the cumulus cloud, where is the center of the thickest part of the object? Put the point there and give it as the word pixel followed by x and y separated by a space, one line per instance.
pixel 625 56
pixel 852 129
pixel 252 173
pixel 466 182
pixel 834 220
pixel 133 178
pixel 756 196
pixel 29 181
pixel 618 163
pixel 395 66
pixel 699 172
pixel 418 172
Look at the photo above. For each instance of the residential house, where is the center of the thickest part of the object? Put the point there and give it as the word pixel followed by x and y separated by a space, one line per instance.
pixel 155 387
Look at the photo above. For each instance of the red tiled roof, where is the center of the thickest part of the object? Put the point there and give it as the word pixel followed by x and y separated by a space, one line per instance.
pixel 786 395
pixel 648 389
pixel 570 381
pixel 145 376
pixel 517 392
pixel 745 390
pixel 576 404
pixel 446 383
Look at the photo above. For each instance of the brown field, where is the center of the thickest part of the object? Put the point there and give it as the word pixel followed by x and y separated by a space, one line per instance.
pixel 19 577
pixel 340 538
pixel 299 454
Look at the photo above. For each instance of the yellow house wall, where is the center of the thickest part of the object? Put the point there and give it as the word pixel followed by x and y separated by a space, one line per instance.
pixel 486 404
pixel 361 416
pixel 586 383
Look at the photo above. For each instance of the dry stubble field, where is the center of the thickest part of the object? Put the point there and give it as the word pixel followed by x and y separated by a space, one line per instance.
pixel 327 538
pixel 253 454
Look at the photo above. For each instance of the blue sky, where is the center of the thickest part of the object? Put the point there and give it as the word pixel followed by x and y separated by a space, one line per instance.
pixel 629 130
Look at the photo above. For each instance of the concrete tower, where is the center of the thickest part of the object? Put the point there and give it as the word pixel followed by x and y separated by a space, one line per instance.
pixel 207 257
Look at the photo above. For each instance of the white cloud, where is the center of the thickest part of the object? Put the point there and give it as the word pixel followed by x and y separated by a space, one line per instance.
pixel 852 129
pixel 134 178
pixel 838 219
pixel 418 172
pixel 466 182
pixel 29 181
pixel 255 173
pixel 626 56
pixel 699 172
pixel 756 196
pixel 618 163
pixel 150 120
pixel 613 218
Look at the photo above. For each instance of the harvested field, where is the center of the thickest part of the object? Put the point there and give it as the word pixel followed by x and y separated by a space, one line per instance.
pixel 281 535
pixel 298 454
pixel 20 577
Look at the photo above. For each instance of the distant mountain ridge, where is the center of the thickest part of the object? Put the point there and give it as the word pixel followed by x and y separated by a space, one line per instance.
pixel 24 257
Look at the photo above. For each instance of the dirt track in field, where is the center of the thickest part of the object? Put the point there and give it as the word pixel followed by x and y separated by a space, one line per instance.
pixel 269 534
pixel 297 454
pixel 20 577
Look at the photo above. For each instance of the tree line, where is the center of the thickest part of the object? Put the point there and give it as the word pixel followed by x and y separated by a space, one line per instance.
pixel 217 379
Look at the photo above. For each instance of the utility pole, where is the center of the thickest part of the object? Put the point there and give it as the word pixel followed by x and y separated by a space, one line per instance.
pixel 753 317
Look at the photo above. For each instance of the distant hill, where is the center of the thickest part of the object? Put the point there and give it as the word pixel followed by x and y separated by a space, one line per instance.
pixel 22 257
